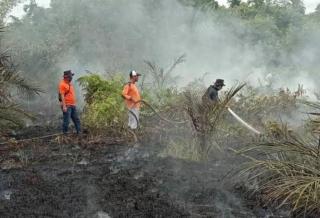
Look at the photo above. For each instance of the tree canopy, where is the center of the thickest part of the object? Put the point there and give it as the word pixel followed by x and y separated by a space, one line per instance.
pixel 116 36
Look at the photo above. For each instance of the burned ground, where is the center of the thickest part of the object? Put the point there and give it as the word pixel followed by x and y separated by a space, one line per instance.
pixel 52 179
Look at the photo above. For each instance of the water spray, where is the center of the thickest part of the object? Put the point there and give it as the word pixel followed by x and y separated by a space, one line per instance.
pixel 244 123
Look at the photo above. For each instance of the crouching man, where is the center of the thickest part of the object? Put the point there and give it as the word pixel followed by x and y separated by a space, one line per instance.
pixel 132 98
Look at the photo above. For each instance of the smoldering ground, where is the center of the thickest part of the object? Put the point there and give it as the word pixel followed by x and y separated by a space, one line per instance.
pixel 119 181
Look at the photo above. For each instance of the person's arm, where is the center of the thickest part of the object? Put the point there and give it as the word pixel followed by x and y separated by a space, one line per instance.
pixel 125 93
pixel 63 103
pixel 62 90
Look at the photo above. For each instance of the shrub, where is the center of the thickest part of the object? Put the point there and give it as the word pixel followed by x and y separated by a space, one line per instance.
pixel 104 105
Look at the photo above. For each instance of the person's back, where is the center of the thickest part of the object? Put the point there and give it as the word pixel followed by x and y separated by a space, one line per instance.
pixel 211 96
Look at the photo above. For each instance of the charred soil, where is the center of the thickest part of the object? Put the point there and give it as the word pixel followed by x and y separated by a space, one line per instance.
pixel 83 178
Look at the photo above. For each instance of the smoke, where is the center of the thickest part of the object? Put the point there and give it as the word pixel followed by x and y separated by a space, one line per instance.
pixel 117 36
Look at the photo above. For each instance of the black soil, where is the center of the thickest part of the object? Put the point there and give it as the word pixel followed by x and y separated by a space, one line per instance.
pixel 51 179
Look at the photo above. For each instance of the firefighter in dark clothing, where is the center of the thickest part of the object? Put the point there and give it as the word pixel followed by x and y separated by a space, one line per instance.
pixel 211 96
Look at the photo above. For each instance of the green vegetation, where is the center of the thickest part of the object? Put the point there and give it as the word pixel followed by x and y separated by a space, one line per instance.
pixel 287 173
pixel 275 37
pixel 277 33
pixel 104 108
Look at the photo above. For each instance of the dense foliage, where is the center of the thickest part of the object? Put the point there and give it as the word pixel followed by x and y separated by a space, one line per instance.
pixel 104 107
pixel 268 36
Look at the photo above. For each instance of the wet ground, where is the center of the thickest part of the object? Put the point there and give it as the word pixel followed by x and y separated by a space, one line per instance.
pixel 65 178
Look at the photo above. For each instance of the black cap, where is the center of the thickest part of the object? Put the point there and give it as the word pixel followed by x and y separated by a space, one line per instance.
pixel 219 82
pixel 68 73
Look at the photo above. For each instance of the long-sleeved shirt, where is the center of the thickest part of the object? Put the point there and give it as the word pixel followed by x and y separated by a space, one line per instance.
pixel 210 96
pixel 213 93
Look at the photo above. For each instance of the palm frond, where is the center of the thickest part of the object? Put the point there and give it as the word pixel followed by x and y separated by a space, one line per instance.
pixel 288 173
pixel 163 78
pixel 314 105
pixel 13 80
pixel 205 118
pixel 179 60
pixel 11 83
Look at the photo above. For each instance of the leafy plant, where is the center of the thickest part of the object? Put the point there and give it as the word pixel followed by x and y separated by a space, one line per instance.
pixel 104 107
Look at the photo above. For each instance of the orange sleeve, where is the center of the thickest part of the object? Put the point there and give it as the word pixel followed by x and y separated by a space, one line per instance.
pixel 125 92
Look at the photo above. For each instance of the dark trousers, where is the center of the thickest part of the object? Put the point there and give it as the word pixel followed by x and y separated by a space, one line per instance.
pixel 73 114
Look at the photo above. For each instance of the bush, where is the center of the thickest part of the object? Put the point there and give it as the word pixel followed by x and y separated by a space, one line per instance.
pixel 104 107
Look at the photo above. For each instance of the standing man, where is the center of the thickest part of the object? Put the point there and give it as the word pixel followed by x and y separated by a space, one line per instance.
pixel 67 100
pixel 211 95
pixel 132 99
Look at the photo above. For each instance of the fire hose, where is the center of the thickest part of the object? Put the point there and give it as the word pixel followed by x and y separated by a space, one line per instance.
pixel 161 117
pixel 244 123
